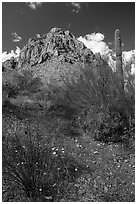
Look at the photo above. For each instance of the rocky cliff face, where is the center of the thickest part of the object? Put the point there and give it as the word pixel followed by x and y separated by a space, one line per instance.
pixel 56 43
pixel 54 56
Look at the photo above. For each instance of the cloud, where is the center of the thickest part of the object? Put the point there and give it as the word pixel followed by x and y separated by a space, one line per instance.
pixel 129 56
pixel 16 37
pixel 95 42
pixel 12 53
pixel 34 5
pixel 129 59
pixel 76 7
pixel 132 69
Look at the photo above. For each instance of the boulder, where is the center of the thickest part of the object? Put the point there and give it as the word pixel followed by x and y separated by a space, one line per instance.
pixel 9 64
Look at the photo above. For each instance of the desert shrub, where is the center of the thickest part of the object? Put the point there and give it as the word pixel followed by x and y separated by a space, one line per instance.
pixel 102 103
pixel 9 91
pixel 27 83
pixel 96 104
pixel 113 127
pixel 9 84
pixel 33 168
pixel 17 84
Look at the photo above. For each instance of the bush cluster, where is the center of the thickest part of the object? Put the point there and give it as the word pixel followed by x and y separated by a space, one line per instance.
pixel 92 105
pixel 105 109
pixel 37 169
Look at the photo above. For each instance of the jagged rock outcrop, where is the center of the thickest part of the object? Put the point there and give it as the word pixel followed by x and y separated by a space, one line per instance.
pixel 53 57
pixel 9 64
pixel 54 44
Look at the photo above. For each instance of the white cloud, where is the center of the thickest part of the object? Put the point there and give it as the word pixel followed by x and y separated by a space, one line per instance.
pixel 12 53
pixel 34 5
pixel 16 37
pixel 95 37
pixel 76 7
pixel 129 56
pixel 95 43
pixel 129 59
pixel 132 69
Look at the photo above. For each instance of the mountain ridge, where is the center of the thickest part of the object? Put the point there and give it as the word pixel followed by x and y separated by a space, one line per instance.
pixel 56 43
pixel 53 57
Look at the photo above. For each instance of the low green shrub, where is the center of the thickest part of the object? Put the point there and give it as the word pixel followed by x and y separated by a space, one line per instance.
pixel 34 168
pixel 27 83
pixel 113 127
pixel 104 108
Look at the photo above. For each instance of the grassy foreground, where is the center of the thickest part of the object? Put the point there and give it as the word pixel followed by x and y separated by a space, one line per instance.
pixel 74 143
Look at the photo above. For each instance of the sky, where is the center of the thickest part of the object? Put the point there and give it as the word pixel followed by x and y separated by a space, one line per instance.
pixel 93 23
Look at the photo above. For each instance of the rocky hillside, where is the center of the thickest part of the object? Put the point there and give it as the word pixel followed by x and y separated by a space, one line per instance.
pixel 52 57
pixel 56 43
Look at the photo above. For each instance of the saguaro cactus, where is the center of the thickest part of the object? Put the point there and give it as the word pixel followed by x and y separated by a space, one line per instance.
pixel 118 50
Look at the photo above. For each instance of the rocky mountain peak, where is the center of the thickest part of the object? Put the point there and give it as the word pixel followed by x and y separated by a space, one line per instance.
pixel 56 43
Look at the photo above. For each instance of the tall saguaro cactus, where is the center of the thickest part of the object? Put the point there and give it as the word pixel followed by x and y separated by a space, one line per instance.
pixel 118 50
